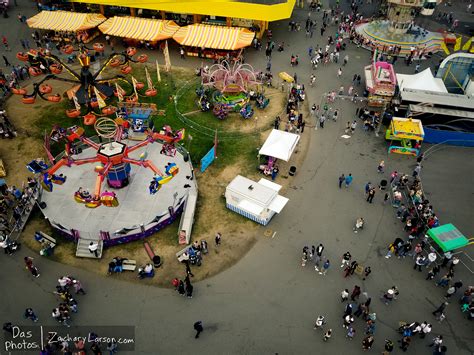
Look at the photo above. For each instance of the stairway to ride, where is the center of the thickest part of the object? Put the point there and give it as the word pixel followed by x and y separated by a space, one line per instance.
pixel 82 250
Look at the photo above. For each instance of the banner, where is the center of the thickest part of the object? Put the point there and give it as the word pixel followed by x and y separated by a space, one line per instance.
pixel 134 82
pixel 100 100
pixel 457 46
pixel 208 159
pixel 158 76
pixel 148 79
pixel 119 92
pixel 76 103
pixel 166 52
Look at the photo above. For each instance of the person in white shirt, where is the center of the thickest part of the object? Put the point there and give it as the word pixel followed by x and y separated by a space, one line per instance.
pixel 93 247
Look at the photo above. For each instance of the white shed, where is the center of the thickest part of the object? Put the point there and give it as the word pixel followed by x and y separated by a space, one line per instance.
pixel 258 201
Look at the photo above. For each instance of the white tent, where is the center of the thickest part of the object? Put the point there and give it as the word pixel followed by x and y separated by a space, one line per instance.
pixel 421 81
pixel 280 145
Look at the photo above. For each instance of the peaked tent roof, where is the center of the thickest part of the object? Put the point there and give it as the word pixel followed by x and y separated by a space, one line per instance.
pixel 65 21
pixel 421 81
pixel 142 29
pixel 280 144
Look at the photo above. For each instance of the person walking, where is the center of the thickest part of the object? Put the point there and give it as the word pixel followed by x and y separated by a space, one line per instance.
pixel 76 284
pixel 7 63
pixel 344 295
pixel 322 119
pixel 318 256
pixel 29 314
pixel 350 333
pixel 380 168
pixel 31 267
pixel 339 72
pixel 218 239
pixel 388 347
pixel 198 328
pixel 367 272
pixel 367 342
pixel 353 126
pixel 371 195
pixel 346 258
pixel 405 342
pixel 419 262
pixel 93 249
pixel 319 322
pixel 342 178
pixel 440 309
pixel 348 180
pixel 112 347
pixel 355 293
pixel 425 330
pixel 325 268
pixel 327 335
pixel 189 290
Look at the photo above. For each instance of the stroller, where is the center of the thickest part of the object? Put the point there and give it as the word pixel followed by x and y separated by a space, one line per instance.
pixel 195 257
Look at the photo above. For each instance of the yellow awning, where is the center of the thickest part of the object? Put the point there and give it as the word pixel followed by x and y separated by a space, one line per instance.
pixel 65 21
pixel 217 37
pixel 142 29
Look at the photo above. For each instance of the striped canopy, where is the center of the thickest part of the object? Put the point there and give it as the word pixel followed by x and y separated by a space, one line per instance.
pixel 142 29
pixel 65 21
pixel 216 37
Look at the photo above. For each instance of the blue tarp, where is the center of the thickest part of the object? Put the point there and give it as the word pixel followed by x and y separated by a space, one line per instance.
pixel 435 136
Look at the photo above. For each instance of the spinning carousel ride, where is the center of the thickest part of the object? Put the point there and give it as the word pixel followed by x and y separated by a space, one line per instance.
pixel 88 89
pixel 114 162
pixel 229 87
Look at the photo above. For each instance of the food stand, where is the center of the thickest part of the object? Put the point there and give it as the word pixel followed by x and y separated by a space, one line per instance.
pixel 381 82
pixel 63 23
pixel 135 29
pixel 278 145
pixel 258 201
pixel 448 237
pixel 213 41
pixel 405 136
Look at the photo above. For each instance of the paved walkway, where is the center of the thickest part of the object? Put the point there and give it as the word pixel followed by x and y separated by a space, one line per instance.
pixel 267 302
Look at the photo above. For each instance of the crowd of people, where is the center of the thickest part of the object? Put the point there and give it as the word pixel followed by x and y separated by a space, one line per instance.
pixel 15 206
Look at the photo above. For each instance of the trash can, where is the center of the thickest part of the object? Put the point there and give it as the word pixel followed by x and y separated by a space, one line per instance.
pixel 292 171
pixel 156 261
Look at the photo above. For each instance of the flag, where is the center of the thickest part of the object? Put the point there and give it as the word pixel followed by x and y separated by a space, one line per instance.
pixel 119 92
pixel 166 52
pixel 134 82
pixel 100 100
pixel 148 79
pixel 467 45
pixel 457 46
pixel 215 145
pixel 76 103
pixel 158 76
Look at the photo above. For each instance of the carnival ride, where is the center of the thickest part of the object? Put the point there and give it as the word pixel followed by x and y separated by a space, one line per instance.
pixel 405 136
pixel 381 82
pixel 114 160
pixel 227 88
pixel 89 89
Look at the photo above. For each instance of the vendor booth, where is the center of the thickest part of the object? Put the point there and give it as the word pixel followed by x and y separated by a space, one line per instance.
pixel 83 25
pixel 213 41
pixel 258 201
pixel 279 145
pixel 380 82
pixel 405 136
pixel 448 237
pixel 139 29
